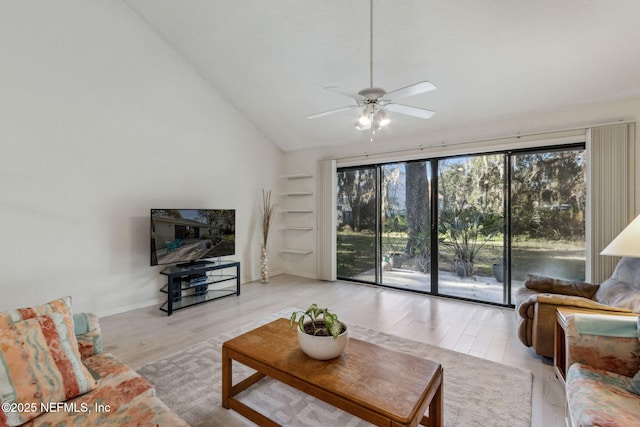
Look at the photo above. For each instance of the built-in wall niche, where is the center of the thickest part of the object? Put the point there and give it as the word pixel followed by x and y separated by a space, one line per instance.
pixel 297 211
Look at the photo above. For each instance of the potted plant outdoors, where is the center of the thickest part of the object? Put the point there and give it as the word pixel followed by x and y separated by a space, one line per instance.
pixel 396 254
pixel 498 270
pixel 321 335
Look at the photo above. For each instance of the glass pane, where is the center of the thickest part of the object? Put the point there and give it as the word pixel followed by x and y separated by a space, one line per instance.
pixel 470 221
pixel 406 230
pixel 548 215
pixel 356 223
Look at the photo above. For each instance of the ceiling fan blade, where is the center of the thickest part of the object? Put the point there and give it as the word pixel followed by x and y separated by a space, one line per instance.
pixel 337 110
pixel 346 92
pixel 410 111
pixel 412 90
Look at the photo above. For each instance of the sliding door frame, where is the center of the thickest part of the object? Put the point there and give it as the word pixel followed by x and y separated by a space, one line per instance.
pixel 434 191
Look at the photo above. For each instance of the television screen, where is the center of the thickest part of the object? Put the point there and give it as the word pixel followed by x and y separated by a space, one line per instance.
pixel 188 235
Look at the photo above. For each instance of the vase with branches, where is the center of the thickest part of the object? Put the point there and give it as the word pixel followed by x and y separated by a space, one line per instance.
pixel 266 215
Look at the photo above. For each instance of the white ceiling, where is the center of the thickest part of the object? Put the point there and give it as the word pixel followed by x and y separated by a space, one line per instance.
pixel 490 59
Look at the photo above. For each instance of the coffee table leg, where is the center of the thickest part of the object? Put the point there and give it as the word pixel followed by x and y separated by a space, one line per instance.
pixel 229 390
pixel 435 409
pixel 434 419
pixel 226 377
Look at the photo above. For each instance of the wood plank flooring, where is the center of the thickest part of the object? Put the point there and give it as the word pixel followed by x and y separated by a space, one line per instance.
pixel 144 335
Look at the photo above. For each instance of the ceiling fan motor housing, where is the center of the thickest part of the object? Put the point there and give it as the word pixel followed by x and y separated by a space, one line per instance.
pixel 372 94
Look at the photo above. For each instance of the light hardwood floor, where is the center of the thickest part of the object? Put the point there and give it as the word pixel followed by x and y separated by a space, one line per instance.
pixel 144 335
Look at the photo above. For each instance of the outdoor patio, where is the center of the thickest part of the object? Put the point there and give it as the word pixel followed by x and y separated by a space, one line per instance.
pixel 479 288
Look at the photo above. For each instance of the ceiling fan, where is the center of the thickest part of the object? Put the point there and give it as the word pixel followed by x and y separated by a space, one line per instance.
pixel 376 101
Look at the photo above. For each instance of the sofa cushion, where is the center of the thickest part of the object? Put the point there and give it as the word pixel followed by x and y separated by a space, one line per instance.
pixel 137 410
pixel 600 398
pixel 622 289
pixel 620 294
pixel 123 398
pixel 88 333
pixel 39 364
pixel 560 286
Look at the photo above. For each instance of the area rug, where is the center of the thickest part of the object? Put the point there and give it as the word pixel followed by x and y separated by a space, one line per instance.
pixel 477 392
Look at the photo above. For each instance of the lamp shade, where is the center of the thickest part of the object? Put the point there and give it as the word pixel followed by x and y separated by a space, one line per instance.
pixel 627 243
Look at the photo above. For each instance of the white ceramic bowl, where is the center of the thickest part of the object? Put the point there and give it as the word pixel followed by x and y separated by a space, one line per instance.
pixel 323 348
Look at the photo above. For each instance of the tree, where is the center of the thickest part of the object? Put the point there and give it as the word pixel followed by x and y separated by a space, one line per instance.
pixel 356 193
pixel 548 193
pixel 418 212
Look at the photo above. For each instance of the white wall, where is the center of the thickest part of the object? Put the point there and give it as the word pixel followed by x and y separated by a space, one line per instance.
pixel 99 122
pixel 438 142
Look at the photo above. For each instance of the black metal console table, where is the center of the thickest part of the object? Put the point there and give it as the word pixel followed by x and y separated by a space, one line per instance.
pixel 198 283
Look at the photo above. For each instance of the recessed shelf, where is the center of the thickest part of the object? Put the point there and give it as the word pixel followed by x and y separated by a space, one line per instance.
pixel 296 211
pixel 297 176
pixel 296 251
pixel 297 193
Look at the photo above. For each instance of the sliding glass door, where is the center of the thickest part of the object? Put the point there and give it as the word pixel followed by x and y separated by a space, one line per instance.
pixel 468 227
pixel 471 225
pixel 548 198
pixel 357 221
pixel 406 225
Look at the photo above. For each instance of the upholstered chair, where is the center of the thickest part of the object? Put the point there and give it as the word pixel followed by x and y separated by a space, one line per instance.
pixel 537 301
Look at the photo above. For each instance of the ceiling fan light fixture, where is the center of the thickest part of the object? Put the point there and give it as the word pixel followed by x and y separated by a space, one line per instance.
pixel 361 127
pixel 381 119
pixel 364 119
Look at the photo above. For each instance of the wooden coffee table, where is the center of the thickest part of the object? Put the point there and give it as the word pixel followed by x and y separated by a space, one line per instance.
pixel 381 386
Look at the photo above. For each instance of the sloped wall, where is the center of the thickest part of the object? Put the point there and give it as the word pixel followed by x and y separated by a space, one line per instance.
pixel 101 121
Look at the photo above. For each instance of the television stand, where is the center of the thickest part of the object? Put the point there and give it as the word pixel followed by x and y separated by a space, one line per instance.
pixel 192 264
pixel 197 283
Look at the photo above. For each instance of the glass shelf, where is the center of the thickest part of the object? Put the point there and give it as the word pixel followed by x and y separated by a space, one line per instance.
pixel 198 283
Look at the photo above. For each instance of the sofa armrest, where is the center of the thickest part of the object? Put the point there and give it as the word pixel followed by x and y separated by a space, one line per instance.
pixel 574 301
pixel 88 334
pixel 610 353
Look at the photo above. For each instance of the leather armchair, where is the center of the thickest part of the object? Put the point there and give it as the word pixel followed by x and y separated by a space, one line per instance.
pixel 537 301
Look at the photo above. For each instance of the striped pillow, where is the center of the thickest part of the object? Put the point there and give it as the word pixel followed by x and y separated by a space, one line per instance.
pixel 61 305
pixel 39 365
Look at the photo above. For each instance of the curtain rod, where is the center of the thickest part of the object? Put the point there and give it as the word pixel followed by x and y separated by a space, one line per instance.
pixel 471 141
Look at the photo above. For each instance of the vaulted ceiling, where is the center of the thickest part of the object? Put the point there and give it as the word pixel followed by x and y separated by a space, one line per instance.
pixel 490 59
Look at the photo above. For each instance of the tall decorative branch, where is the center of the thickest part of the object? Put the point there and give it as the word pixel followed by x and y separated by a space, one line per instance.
pixel 266 212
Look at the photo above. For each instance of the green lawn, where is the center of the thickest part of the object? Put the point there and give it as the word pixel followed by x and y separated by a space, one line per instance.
pixel 554 258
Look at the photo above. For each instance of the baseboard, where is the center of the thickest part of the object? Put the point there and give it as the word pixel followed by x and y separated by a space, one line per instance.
pixel 159 301
pixel 300 274
pixel 132 307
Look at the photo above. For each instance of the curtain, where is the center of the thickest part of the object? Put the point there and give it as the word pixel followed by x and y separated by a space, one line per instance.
pixel 327 264
pixel 611 187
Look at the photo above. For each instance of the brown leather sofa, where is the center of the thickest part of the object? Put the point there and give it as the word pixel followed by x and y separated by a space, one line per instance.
pixel 537 301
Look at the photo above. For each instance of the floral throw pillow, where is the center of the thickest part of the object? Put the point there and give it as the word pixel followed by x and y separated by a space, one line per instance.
pixel 39 366
pixel 634 387
pixel 61 305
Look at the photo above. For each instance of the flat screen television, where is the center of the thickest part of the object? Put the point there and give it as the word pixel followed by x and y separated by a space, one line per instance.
pixel 188 236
